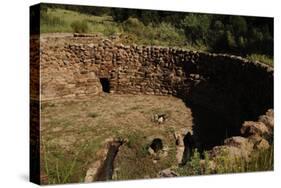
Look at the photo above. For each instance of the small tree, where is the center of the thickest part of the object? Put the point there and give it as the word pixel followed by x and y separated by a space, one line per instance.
pixel 196 27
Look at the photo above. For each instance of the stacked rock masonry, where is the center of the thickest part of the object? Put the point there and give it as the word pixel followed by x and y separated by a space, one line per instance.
pixel 217 87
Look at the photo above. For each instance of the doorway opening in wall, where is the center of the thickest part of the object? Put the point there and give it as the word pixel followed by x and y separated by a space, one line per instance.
pixel 105 85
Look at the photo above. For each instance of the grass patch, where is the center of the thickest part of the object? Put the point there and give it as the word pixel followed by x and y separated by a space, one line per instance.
pixel 60 20
pixel 67 166
pixel 80 26
pixel 261 160
pixel 261 58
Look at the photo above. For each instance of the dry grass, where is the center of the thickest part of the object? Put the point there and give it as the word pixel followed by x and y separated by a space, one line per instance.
pixel 72 132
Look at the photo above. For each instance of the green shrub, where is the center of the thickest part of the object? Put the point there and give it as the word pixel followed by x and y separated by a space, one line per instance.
pixel 153 34
pixel 192 167
pixel 195 167
pixel 196 27
pixel 133 25
pixel 169 33
pixel 80 26
pixel 110 29
pixel 230 40
pixel 239 25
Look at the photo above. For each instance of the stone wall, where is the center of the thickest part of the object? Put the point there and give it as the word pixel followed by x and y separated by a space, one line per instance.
pixel 238 89
pixel 34 115
pixel 73 70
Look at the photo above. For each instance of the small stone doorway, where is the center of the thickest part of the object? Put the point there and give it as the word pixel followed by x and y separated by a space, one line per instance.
pixel 105 85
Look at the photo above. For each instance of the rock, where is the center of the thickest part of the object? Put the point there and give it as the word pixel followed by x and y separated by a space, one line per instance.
pixel 270 113
pixel 101 154
pixel 44 179
pixel 268 119
pixel 168 173
pixel 179 136
pixel 254 128
pixel 66 62
pixel 160 118
pixel 235 147
pixel 83 35
pixel 239 142
pixel 262 144
pixel 230 152
pixel 255 139
pixel 92 171
pixel 151 151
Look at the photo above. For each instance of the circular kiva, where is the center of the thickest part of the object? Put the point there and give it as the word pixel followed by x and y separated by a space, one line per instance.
pixel 218 88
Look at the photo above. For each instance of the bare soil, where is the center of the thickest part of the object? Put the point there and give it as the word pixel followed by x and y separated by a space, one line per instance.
pixel 73 131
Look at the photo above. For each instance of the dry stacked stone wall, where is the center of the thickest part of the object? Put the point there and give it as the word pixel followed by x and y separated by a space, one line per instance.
pixel 233 87
pixel 74 69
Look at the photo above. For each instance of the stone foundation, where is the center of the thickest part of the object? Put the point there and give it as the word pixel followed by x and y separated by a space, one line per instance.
pixel 222 90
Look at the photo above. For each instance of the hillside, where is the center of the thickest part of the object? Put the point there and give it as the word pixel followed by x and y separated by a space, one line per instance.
pixel 245 36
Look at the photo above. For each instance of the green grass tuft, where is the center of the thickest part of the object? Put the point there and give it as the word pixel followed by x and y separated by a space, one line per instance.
pixel 261 58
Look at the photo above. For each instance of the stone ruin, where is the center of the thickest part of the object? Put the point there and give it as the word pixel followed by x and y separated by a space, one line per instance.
pixel 222 90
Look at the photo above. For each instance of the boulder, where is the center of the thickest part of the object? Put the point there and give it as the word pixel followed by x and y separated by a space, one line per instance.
pixel 151 151
pixel 239 142
pixel 234 147
pixel 92 171
pixel 268 119
pixel 229 152
pixel 179 137
pixel 250 128
pixel 167 173
pixel 262 145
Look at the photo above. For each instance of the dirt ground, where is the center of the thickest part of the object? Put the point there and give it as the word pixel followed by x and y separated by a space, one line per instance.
pixel 73 131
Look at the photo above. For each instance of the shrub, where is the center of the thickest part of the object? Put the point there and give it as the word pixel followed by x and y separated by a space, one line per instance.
pixel 111 29
pixel 196 27
pixel 194 164
pixel 133 25
pixel 169 33
pixel 239 25
pixel 80 26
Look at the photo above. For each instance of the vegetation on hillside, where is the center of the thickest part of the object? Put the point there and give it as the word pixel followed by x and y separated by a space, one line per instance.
pixel 241 35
